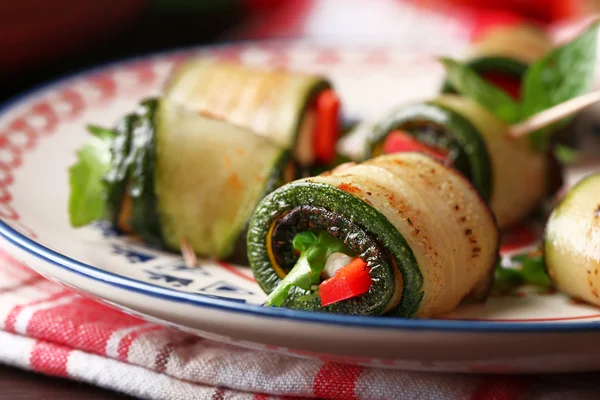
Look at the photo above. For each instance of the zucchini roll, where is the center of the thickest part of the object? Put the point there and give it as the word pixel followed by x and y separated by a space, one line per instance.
pixel 572 242
pixel 165 174
pixel 506 172
pixel 296 111
pixel 502 54
pixel 401 234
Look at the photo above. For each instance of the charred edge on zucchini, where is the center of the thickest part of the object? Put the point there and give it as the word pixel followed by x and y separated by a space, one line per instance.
pixel 142 160
pixel 115 179
pixel 314 206
pixel 440 127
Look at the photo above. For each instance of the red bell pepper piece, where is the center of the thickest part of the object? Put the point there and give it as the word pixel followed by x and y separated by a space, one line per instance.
pixel 349 281
pixel 510 84
pixel 402 142
pixel 325 135
pixel 518 237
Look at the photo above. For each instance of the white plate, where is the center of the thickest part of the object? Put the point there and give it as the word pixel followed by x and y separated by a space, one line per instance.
pixel 525 332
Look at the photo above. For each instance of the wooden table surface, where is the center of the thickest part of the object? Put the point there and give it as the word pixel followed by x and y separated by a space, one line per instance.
pixel 23 385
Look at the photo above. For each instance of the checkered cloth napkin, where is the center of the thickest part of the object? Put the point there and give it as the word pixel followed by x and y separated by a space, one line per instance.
pixel 51 330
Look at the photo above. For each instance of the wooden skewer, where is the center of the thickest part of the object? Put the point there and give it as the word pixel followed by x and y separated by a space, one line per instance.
pixel 189 256
pixel 553 114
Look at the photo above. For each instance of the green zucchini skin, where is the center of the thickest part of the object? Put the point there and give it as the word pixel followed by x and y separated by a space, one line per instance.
pixel 461 137
pixel 503 65
pixel 361 227
pixel 115 180
pixel 142 164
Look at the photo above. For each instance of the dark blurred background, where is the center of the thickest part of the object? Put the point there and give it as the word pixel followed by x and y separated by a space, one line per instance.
pixel 42 39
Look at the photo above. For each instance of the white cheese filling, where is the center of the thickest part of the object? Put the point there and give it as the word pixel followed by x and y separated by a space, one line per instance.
pixel 335 262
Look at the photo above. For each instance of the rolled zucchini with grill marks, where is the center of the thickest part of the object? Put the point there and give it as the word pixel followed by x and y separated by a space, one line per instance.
pixel 506 172
pixel 416 237
pixel 296 111
pixel 572 242
pixel 165 173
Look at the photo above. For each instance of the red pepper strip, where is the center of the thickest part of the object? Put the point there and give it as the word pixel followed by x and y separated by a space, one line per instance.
pixel 349 281
pixel 518 237
pixel 327 128
pixel 509 84
pixel 402 142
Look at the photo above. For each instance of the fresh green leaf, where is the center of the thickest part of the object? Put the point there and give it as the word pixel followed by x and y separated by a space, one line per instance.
pixel 565 73
pixel 86 201
pixel 527 269
pixel 319 253
pixel 299 276
pixel 315 250
pixel 304 240
pixel 565 154
pixel 100 132
pixel 533 270
pixel 468 83
pixel 506 279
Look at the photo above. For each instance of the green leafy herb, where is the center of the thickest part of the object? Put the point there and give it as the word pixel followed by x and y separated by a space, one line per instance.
pixel 299 276
pixel 100 132
pixel 506 279
pixel 565 73
pixel 86 202
pixel 468 83
pixel 315 249
pixel 533 270
pixel 528 269
pixel 565 154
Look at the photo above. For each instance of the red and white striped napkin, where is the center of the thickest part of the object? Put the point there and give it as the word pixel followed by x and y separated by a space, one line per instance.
pixel 51 330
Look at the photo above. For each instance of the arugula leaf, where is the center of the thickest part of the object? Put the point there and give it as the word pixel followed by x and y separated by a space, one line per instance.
pixel 299 276
pixel 100 132
pixel 468 83
pixel 506 279
pixel 86 201
pixel 530 269
pixel 533 270
pixel 306 273
pixel 565 73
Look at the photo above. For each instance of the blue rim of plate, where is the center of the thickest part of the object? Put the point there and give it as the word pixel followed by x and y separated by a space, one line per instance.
pixel 62 261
